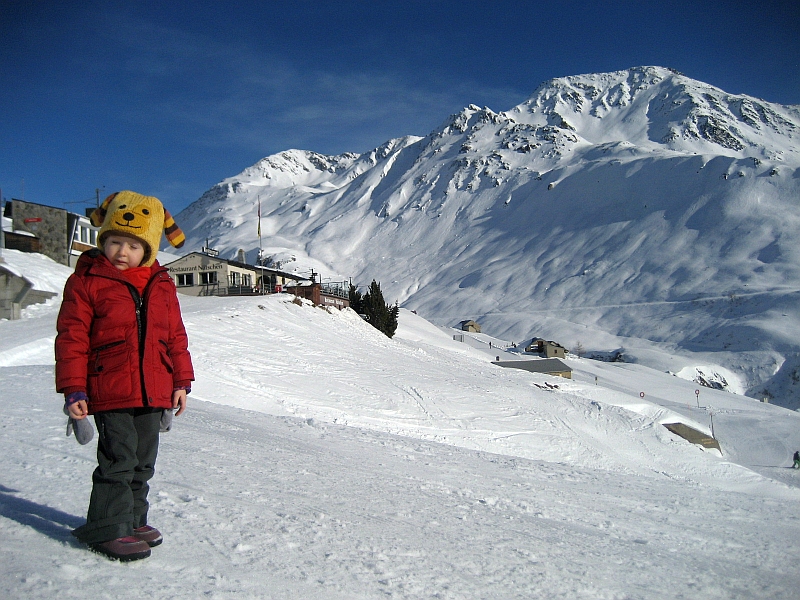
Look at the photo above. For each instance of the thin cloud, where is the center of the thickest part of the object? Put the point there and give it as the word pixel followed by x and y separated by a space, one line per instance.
pixel 217 94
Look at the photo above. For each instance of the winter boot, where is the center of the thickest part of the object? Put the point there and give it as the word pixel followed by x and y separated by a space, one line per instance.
pixel 148 534
pixel 123 549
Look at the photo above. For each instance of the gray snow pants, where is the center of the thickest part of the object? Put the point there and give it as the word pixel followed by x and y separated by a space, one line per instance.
pixel 127 447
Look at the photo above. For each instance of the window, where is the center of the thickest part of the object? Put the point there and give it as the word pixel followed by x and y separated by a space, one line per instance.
pixel 209 277
pixel 185 279
pixel 247 279
pixel 235 278
pixel 85 235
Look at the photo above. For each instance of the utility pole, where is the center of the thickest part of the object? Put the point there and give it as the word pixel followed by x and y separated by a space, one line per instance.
pixel 2 227
pixel 260 260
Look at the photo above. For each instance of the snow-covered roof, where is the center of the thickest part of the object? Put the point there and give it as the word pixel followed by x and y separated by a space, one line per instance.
pixel 41 271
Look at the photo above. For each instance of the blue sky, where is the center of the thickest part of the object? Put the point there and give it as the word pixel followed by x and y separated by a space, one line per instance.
pixel 168 98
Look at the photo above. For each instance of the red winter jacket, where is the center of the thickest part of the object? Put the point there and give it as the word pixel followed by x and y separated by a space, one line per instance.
pixel 124 349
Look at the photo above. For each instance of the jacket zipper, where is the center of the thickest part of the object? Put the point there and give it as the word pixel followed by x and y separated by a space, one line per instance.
pixel 139 307
pixel 141 326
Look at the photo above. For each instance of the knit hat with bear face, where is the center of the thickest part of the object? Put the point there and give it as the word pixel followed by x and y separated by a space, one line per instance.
pixel 141 217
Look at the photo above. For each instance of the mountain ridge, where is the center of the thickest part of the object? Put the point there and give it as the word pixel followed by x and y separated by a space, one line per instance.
pixel 679 200
pixel 690 110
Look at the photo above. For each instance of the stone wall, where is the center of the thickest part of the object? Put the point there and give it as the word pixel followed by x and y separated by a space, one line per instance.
pixel 50 225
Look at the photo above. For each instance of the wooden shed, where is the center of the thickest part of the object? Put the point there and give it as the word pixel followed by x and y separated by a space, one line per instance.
pixel 333 294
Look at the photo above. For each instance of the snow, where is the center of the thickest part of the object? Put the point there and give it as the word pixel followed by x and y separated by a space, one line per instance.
pixel 320 459
pixel 38 269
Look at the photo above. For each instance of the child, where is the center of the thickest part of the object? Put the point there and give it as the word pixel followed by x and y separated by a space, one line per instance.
pixel 122 356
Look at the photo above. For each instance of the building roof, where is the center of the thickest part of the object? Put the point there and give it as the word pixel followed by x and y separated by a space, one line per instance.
pixel 536 365
pixel 8 208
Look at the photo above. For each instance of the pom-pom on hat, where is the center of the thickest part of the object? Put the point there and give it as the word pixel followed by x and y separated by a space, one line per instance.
pixel 142 217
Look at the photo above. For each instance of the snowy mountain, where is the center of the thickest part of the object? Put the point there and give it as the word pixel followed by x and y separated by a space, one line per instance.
pixel 638 211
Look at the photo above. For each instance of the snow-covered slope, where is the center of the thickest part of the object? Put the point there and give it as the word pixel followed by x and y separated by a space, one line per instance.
pixel 639 209
pixel 320 459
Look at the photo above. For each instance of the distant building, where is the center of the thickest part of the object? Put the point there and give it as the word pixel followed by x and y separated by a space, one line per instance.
pixel 546 348
pixel 201 274
pixel 54 232
pixel 546 366
pixel 205 274
pixel 333 294
pixel 470 326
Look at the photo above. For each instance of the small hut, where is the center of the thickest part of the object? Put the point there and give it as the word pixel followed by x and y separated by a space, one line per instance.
pixel 546 348
pixel 470 326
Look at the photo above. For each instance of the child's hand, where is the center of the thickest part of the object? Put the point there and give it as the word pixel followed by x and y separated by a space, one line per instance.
pixel 179 401
pixel 78 410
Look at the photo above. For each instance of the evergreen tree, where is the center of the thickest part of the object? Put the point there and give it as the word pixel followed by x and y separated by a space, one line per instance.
pixel 390 327
pixel 356 301
pixel 372 305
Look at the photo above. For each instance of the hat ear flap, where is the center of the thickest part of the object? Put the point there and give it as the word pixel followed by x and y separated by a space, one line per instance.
pixel 99 214
pixel 172 231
